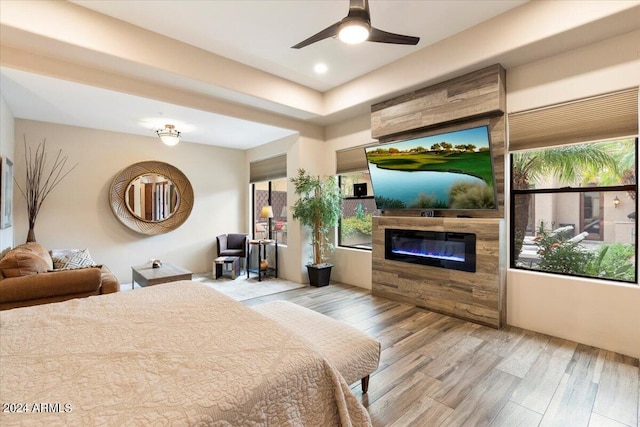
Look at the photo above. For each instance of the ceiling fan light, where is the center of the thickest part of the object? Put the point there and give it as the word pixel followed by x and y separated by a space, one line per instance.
pixel 169 135
pixel 353 32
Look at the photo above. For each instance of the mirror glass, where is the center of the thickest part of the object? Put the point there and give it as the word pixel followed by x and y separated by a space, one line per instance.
pixel 152 197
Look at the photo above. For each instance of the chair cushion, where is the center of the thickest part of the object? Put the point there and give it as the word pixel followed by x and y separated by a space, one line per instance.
pixel 236 241
pixel 26 259
pixel 232 252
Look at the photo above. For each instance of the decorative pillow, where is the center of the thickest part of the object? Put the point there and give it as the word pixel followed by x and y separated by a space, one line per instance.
pixel 68 259
pixel 23 261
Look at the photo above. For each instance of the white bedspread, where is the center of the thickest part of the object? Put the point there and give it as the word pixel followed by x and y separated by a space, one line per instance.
pixel 174 354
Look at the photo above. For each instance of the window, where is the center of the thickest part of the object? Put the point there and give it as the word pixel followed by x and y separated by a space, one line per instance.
pixel 573 209
pixel 268 179
pixel 270 193
pixel 358 203
pixel 357 210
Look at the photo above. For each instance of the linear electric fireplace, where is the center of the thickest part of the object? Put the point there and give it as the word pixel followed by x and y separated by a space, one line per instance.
pixel 456 251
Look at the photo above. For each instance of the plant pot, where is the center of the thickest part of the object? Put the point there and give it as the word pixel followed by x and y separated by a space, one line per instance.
pixel 319 274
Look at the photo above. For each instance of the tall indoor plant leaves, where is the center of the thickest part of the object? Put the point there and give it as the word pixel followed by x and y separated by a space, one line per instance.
pixel 319 208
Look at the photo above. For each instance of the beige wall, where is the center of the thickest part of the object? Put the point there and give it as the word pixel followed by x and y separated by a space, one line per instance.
pixel 302 152
pixel 289 256
pixel 6 150
pixel 77 213
pixel 602 67
pixel 351 266
pixel 594 312
pixel 599 313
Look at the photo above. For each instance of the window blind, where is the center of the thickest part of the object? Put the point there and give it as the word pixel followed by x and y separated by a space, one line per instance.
pixel 268 169
pixel 612 115
pixel 351 159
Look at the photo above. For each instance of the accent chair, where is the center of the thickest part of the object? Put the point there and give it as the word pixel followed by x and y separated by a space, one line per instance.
pixel 234 244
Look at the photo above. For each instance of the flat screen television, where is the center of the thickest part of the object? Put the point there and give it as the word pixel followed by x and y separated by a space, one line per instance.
pixel 452 170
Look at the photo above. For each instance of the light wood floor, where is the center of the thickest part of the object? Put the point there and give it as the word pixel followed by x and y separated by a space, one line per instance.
pixel 440 371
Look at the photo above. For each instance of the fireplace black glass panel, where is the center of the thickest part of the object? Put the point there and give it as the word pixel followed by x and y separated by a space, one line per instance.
pixel 456 251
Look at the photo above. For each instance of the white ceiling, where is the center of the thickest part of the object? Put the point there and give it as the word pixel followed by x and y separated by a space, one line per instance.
pixel 255 33
pixel 224 72
pixel 260 33
pixel 36 97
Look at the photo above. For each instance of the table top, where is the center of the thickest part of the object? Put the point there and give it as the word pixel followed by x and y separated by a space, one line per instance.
pixel 226 259
pixel 166 270
pixel 261 242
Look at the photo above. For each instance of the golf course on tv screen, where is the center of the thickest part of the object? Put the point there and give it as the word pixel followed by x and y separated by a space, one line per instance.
pixel 446 171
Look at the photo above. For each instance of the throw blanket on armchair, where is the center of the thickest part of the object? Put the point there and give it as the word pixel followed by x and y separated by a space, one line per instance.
pixel 173 354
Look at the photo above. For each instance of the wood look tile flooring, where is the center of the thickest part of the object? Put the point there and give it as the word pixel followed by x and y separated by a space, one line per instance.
pixel 440 371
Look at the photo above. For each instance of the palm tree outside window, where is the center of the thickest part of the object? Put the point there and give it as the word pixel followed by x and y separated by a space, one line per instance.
pixel 563 216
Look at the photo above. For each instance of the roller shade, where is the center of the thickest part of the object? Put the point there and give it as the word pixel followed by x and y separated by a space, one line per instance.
pixel 612 115
pixel 351 159
pixel 268 169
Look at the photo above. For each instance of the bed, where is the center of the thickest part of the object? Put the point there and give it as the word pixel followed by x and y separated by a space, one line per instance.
pixel 174 354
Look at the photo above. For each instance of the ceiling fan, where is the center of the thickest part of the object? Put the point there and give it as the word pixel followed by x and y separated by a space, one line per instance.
pixel 356 28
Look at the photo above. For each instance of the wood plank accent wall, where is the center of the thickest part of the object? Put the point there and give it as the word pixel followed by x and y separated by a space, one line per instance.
pixel 474 99
pixel 477 297
pixel 477 94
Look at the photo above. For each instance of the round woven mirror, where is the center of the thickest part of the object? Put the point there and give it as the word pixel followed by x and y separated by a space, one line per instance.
pixel 151 197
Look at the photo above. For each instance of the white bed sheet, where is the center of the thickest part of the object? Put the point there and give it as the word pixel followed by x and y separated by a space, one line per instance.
pixel 173 354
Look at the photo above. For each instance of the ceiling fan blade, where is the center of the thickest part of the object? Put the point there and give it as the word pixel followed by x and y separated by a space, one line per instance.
pixel 380 36
pixel 330 31
pixel 359 10
pixel 359 5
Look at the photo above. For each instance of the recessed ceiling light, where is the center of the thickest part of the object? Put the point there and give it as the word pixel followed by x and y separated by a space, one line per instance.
pixel 320 68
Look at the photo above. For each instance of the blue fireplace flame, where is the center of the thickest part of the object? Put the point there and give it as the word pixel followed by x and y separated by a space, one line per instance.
pixel 435 249
pixel 439 249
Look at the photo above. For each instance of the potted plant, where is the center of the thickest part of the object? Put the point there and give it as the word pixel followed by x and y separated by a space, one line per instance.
pixel 319 208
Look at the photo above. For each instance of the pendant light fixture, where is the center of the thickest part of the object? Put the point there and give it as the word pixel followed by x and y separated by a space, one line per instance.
pixel 169 135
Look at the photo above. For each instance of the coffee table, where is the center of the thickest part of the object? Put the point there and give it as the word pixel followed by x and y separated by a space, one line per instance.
pixel 145 275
